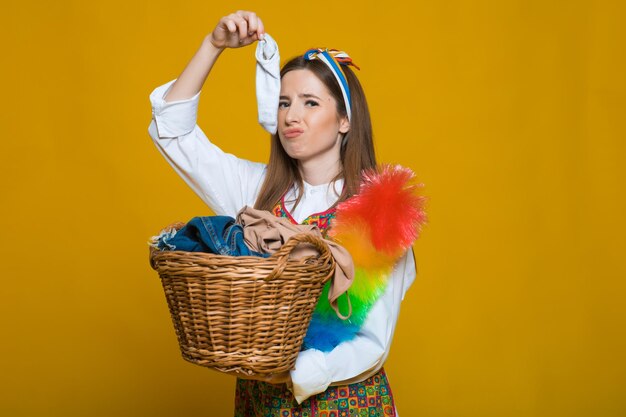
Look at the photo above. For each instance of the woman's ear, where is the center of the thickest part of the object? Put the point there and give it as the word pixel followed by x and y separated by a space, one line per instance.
pixel 344 125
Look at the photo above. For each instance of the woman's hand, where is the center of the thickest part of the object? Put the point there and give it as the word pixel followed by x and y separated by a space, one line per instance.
pixel 236 30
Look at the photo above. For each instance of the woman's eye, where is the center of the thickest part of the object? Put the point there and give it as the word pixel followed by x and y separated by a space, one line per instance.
pixel 312 103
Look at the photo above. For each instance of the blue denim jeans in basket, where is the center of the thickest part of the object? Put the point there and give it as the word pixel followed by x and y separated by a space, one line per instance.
pixel 212 234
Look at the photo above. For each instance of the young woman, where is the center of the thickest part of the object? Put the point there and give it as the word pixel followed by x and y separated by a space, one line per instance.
pixel 322 146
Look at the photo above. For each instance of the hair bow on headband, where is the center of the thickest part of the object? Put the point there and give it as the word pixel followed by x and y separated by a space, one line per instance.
pixel 334 59
pixel 340 56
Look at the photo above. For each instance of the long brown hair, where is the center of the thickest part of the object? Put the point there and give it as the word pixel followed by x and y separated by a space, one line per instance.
pixel 357 150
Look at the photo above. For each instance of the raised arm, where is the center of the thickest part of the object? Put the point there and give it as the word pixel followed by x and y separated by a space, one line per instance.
pixel 226 183
pixel 233 31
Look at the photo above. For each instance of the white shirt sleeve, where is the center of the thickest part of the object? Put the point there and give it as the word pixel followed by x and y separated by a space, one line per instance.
pixel 357 359
pixel 223 181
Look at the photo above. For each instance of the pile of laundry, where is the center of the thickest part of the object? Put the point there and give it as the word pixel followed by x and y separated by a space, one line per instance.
pixel 253 233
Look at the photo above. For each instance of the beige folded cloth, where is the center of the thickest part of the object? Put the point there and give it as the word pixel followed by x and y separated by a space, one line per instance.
pixel 263 232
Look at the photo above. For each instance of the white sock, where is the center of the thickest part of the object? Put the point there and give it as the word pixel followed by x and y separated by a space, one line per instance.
pixel 268 82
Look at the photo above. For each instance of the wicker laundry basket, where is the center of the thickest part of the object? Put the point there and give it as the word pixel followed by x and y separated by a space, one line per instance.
pixel 244 315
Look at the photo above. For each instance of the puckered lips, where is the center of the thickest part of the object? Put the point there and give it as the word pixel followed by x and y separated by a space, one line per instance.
pixel 292 132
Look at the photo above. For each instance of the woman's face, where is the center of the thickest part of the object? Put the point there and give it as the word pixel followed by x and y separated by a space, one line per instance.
pixel 309 126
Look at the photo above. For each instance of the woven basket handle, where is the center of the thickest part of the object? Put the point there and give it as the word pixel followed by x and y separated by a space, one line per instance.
pixel 285 251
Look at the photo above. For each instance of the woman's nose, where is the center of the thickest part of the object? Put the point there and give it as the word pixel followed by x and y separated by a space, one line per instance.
pixel 293 113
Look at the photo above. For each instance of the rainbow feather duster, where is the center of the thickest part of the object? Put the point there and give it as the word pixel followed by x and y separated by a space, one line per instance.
pixel 377 227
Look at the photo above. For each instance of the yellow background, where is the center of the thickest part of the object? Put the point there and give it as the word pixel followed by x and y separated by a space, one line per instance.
pixel 511 112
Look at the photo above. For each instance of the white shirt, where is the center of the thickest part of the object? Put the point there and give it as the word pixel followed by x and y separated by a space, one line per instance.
pixel 226 184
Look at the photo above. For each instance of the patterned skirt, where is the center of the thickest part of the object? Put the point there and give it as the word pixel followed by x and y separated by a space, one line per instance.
pixel 370 398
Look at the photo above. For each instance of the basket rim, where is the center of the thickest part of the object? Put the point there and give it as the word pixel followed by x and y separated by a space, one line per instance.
pixel 278 261
pixel 154 251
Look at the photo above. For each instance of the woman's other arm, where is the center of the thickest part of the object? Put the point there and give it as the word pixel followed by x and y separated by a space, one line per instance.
pixel 363 356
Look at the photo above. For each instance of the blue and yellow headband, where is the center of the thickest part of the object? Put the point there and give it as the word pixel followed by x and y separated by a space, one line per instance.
pixel 334 59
